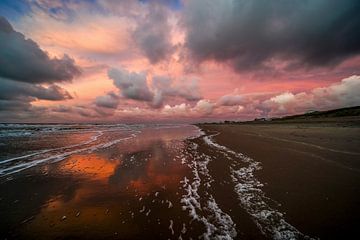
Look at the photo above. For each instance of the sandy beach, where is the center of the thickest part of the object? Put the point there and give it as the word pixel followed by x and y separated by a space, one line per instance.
pixel 215 181
pixel 311 169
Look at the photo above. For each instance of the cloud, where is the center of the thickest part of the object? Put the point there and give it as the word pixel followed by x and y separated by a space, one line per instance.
pixel 230 100
pixel 17 96
pixel 237 99
pixel 176 110
pixel 337 95
pixel 14 105
pixel 133 85
pixel 22 60
pixel 88 111
pixel 153 34
pixel 62 109
pixel 345 93
pixel 85 33
pixel 252 35
pixel 119 29
pixel 27 74
pixel 110 100
pixel 204 107
pixel 164 87
pixel 19 90
pixel 283 98
pixel 82 111
pixel 20 111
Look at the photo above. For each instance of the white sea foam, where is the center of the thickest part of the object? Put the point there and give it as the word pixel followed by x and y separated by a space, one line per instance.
pixel 15 133
pixel 91 140
pixel 171 227
pixel 248 188
pixel 218 224
pixel 61 129
pixel 183 230
pixel 33 130
pixel 59 157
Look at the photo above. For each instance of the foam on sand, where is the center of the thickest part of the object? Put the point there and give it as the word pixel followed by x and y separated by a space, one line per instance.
pixel 270 221
pixel 218 224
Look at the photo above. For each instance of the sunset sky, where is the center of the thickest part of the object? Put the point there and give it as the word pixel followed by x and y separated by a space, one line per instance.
pixel 176 61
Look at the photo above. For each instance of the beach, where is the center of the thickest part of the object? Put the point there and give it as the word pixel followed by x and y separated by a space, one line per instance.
pixel 310 168
pixel 210 181
pixel 179 120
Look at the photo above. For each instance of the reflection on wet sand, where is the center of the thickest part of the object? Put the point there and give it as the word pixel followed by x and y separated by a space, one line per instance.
pixel 118 192
pixel 90 166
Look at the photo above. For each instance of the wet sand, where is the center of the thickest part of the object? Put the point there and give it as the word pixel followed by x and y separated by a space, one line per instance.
pixel 128 190
pixel 311 169
pixel 250 181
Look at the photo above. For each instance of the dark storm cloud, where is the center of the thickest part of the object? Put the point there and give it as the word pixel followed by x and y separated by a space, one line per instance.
pixel 22 60
pixel 19 111
pixel 153 34
pixel 18 90
pixel 14 105
pixel 251 34
pixel 28 74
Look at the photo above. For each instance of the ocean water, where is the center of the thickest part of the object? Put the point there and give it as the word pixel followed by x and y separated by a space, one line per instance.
pixel 24 146
pixel 130 182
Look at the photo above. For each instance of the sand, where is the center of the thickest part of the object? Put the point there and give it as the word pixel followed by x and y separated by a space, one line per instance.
pixel 250 181
pixel 311 169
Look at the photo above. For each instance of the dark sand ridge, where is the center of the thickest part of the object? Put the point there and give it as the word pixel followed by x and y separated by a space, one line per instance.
pixel 311 168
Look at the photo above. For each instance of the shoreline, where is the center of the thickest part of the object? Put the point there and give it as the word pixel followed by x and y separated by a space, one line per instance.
pixel 310 169
pixel 253 181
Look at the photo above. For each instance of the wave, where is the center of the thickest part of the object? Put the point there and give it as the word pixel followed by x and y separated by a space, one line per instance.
pixel 58 157
pixel 32 130
pixel 92 139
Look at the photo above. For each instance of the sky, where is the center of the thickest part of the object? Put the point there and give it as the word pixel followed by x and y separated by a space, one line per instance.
pixel 172 61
